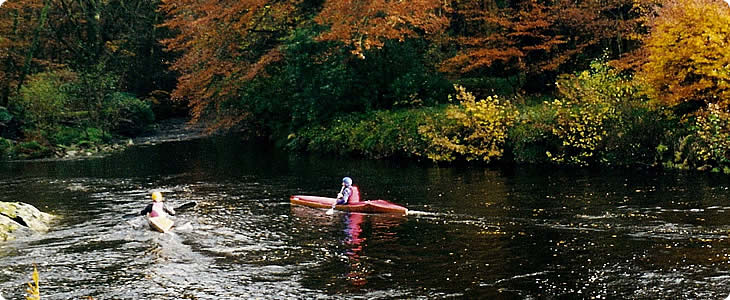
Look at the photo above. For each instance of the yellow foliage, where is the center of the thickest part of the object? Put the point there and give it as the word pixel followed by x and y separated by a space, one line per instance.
pixel 34 290
pixel 581 127
pixel 713 131
pixel 688 57
pixel 589 100
pixel 473 129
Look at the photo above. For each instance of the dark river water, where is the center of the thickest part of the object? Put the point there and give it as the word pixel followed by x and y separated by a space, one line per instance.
pixel 475 233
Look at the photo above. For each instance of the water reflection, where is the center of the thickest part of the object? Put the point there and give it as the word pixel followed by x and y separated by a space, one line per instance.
pixel 353 263
pixel 354 243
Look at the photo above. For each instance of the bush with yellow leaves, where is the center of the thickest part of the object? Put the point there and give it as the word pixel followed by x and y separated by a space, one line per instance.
pixel 594 106
pixel 713 136
pixel 581 128
pixel 471 129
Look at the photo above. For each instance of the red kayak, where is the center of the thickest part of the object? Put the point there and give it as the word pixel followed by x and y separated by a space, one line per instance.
pixel 370 206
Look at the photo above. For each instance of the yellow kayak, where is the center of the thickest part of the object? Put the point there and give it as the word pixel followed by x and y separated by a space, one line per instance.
pixel 162 223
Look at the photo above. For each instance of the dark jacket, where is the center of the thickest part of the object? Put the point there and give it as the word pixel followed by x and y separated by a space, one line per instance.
pixel 148 209
pixel 346 192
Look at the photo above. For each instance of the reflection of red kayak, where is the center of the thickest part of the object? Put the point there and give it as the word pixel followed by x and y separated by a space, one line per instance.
pixel 371 206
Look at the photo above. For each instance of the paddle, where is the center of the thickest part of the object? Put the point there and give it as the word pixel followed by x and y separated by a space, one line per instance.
pixel 332 210
pixel 177 209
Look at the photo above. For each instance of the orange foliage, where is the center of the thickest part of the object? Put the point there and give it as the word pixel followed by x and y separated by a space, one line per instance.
pixel 224 43
pixel 537 36
pixel 366 24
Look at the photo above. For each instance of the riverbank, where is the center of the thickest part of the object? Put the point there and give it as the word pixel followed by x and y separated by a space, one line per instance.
pixel 599 119
pixel 175 129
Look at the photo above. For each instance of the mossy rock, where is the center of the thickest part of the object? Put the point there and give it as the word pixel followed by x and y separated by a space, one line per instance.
pixel 9 228
pixel 23 215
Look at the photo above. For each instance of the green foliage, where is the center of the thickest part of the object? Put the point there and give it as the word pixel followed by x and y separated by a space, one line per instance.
pixel 706 143
pixel 95 136
pixel 67 136
pixel 5 115
pixel 6 148
pixel 398 75
pixel 532 136
pixel 635 138
pixel 314 80
pixel 377 134
pixel 124 113
pixel 93 94
pixel 45 98
pixel 713 133
pixel 468 130
pixel 472 129
pixel 66 108
pixel 32 150
pixel 317 83
pixel 86 137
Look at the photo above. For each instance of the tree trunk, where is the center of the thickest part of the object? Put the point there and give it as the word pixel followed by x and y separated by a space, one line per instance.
pixel 34 45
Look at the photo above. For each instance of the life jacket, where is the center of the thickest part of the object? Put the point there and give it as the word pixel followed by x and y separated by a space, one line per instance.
pixel 158 209
pixel 355 196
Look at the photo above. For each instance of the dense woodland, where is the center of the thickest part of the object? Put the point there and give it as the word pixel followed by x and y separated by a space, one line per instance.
pixel 573 83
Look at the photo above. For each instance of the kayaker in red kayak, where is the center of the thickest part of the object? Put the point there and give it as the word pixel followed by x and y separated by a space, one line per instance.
pixel 346 193
pixel 157 207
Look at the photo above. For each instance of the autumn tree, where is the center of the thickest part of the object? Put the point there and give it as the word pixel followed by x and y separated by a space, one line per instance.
pixel 366 24
pixel 537 38
pixel 224 45
pixel 688 57
pixel 22 23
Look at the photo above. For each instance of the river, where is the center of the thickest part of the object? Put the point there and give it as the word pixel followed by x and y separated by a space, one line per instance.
pixel 486 233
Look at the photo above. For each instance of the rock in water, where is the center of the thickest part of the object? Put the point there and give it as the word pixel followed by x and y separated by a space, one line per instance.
pixel 18 217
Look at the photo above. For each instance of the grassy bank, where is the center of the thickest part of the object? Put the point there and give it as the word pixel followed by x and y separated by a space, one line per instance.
pixel 598 119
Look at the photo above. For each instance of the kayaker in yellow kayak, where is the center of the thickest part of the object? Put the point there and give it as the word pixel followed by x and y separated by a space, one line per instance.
pixel 157 207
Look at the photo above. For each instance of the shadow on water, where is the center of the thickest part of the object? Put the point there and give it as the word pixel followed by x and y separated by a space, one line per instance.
pixel 474 232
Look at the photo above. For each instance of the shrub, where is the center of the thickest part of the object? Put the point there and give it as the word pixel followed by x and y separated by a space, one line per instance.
pixel 67 136
pixel 32 150
pixel 532 136
pixel 713 136
pixel 636 136
pixel 376 134
pixel 596 106
pixel 472 129
pixel 6 148
pixel 5 116
pixel 45 98
pixel 126 114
